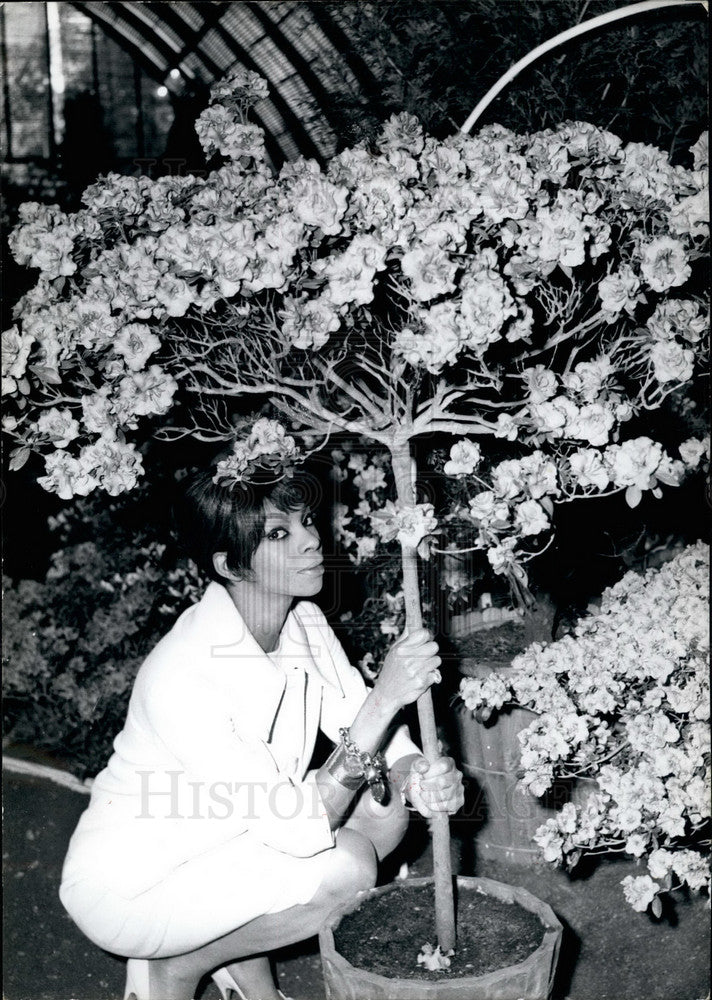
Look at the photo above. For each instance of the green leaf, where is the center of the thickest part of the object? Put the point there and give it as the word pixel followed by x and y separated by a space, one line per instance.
pixel 18 457
pixel 573 859
pixel 633 496
pixel 47 375
pixel 665 478
pixel 657 907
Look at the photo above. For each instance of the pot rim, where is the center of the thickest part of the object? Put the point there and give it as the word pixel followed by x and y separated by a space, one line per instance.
pixel 482 666
pixel 436 988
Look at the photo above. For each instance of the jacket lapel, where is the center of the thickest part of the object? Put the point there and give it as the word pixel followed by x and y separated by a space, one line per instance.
pixel 228 649
pixel 318 660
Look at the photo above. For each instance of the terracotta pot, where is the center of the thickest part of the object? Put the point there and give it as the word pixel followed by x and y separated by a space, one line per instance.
pixel 531 979
pixel 507 815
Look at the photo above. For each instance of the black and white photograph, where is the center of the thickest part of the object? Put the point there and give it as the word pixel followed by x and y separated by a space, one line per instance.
pixel 356 502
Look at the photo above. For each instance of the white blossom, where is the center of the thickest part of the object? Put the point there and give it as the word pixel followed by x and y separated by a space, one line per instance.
pixel 664 263
pixel 530 518
pixel 640 891
pixel 693 450
pixel 464 458
pixel 58 425
pixel 15 352
pixel 135 342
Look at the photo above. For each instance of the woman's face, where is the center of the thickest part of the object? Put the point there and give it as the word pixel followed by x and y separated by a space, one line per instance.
pixel 288 561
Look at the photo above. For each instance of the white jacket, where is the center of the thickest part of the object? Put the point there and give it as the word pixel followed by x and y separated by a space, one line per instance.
pixel 192 768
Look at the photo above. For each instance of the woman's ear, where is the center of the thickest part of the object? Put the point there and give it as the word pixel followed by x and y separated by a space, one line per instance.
pixel 222 568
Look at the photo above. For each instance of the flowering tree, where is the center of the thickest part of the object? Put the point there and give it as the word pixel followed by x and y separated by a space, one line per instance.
pixel 537 290
pixel 625 700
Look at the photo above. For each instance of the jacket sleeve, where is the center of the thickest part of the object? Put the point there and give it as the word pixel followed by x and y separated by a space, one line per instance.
pixel 229 778
pixel 339 707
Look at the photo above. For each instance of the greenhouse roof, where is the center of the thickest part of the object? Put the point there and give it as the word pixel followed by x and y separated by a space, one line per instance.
pixel 189 45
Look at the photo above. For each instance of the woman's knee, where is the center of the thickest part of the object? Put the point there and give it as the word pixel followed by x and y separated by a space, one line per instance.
pixel 397 819
pixel 354 867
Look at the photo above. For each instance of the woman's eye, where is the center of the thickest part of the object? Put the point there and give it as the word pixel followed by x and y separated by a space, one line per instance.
pixel 309 519
pixel 276 534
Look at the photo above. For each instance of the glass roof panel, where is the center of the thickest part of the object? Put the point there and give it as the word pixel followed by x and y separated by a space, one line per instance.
pixel 297 25
pixel 217 48
pixel 191 13
pixel 157 26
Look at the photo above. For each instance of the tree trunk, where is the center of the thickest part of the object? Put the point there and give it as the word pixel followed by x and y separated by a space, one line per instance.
pixel 439 824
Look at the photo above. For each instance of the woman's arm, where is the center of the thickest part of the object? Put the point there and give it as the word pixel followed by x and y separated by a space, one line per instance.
pixel 409 669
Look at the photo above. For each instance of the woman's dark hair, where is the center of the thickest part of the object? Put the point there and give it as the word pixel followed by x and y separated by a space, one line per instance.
pixel 212 518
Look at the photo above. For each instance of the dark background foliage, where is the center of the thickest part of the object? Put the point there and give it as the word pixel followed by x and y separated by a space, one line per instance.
pixel 642 78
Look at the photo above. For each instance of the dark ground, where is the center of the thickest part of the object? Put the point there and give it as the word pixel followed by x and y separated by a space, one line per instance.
pixel 609 952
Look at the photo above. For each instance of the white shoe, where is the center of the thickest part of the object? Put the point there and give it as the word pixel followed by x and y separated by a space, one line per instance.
pixel 225 982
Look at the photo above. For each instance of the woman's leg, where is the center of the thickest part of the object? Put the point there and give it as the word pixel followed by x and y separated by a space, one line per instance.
pixel 351 867
pixel 383 826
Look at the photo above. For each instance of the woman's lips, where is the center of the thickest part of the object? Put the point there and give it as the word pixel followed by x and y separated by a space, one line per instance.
pixel 314 568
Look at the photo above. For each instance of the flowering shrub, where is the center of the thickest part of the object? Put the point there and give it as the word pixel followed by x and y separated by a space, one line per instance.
pixel 72 643
pixel 625 699
pixel 538 292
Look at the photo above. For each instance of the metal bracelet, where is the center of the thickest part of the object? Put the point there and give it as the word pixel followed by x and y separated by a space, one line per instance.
pixel 372 768
pixel 345 769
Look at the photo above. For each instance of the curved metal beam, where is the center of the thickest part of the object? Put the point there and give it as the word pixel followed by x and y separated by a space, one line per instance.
pixel 155 71
pixel 210 19
pixel 190 38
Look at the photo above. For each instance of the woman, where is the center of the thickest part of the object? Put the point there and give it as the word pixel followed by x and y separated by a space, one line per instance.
pixel 207 842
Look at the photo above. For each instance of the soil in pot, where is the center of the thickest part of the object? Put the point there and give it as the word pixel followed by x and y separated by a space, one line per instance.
pixel 501 643
pixel 505 641
pixel 386 934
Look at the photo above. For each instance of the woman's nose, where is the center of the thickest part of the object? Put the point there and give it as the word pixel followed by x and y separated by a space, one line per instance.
pixel 310 538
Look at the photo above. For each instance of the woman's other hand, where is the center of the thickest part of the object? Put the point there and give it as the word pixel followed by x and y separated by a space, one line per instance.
pixel 410 668
pixel 434 788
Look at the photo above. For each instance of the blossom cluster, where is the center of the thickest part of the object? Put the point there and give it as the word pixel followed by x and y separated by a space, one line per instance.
pixel 374 519
pixel 624 700
pixel 513 501
pixel 353 523
pixel 266 453
pixel 369 528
